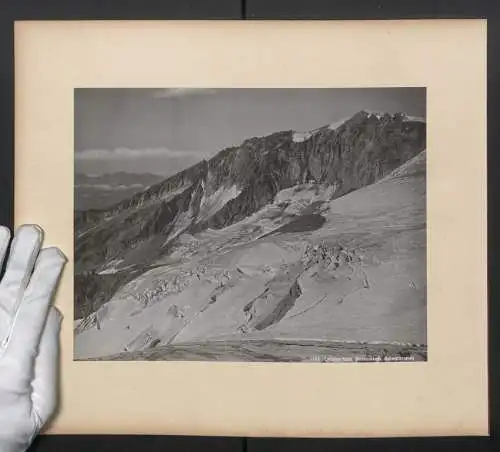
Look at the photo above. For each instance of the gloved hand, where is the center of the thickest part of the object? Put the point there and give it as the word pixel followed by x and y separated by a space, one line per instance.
pixel 29 333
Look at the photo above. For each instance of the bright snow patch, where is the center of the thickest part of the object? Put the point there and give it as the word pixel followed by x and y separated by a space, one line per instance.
pixel 111 267
pixel 335 125
pixel 299 197
pixel 211 204
pixel 414 119
pixel 419 159
pixel 299 137
pixel 182 221
pixel 377 114
pixel 168 195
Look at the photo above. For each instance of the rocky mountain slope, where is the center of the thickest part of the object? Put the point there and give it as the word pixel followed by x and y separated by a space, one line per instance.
pixel 239 181
pixel 317 236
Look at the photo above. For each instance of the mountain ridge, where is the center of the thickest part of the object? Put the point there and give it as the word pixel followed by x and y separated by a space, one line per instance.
pixel 358 152
pixel 223 153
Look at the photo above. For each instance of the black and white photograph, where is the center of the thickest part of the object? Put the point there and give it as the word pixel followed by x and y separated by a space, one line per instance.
pixel 250 224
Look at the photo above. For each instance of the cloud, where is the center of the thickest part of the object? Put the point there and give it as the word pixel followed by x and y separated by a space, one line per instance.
pixel 107 187
pixel 180 92
pixel 126 154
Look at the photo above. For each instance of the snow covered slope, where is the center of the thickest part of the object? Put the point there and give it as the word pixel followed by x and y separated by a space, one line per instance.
pixel 306 266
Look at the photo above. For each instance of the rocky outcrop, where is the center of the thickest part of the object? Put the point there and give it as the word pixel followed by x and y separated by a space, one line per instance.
pixel 280 310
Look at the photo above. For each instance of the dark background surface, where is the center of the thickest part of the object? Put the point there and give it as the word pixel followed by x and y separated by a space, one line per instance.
pixel 11 10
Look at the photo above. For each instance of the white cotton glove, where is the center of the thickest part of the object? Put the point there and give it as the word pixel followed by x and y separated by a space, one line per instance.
pixel 29 333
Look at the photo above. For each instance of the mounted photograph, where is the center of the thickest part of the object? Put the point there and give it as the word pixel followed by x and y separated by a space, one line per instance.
pixel 250 224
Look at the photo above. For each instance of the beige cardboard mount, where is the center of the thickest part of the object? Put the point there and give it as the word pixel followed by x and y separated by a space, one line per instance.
pixel 446 395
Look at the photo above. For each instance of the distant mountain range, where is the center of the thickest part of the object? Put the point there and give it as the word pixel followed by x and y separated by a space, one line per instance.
pixel 101 191
pixel 280 185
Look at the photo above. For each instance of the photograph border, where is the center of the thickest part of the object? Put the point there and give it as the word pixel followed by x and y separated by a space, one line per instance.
pixel 406 110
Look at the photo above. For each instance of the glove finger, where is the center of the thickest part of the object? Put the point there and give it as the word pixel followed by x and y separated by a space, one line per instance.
pixel 5 315
pixel 24 251
pixel 32 313
pixel 45 382
pixel 4 243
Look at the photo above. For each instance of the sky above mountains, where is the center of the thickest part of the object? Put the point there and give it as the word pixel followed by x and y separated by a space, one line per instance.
pixel 163 131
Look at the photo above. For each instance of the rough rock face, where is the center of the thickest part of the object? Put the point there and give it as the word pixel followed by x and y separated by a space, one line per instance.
pixel 231 186
pixel 357 153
